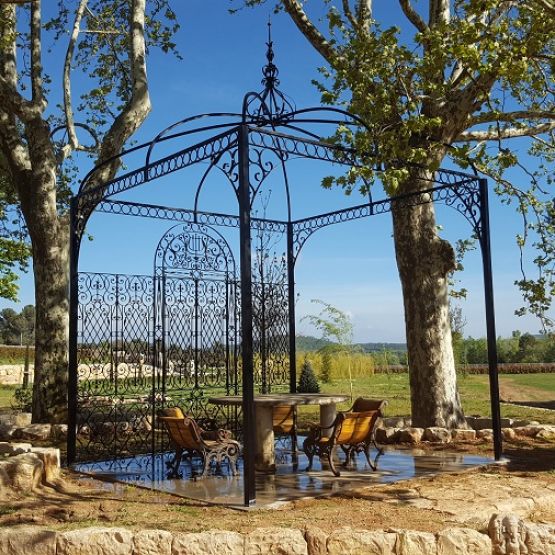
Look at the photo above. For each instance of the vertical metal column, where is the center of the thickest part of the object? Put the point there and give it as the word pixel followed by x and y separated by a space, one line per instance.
pixel 249 438
pixel 73 323
pixel 291 309
pixel 490 320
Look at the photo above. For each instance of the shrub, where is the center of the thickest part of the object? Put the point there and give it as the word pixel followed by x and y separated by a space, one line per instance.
pixel 308 383
pixel 23 399
pixel 325 373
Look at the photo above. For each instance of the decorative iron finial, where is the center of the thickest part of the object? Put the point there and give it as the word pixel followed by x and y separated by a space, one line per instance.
pixel 270 71
pixel 270 106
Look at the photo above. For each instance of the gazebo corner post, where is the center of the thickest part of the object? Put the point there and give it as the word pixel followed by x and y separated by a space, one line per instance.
pixel 291 308
pixel 249 438
pixel 490 319
pixel 73 325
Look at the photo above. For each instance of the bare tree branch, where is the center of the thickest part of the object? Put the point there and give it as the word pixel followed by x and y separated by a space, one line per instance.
pixel 307 28
pixel 36 56
pixel 15 152
pixel 349 14
pixel 73 142
pixel 137 108
pixel 547 5
pixel 364 14
pixel 487 117
pixel 505 133
pixel 413 16
pixel 440 12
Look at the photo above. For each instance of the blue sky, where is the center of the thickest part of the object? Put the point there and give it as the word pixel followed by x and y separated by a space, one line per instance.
pixel 351 266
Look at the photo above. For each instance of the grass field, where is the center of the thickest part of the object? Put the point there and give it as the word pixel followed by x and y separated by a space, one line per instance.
pixel 474 392
pixel 6 395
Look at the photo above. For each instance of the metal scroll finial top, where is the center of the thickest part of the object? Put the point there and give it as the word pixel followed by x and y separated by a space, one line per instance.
pixel 270 71
pixel 270 106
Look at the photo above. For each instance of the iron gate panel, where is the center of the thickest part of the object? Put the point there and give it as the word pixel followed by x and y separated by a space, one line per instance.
pixel 115 370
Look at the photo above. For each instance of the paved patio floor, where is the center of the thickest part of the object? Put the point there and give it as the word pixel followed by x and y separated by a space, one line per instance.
pixel 289 483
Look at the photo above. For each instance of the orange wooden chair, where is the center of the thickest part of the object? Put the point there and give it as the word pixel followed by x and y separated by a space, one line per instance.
pixel 352 431
pixel 187 436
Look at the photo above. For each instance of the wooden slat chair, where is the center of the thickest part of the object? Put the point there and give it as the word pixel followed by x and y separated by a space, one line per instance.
pixel 284 420
pixel 187 436
pixel 352 431
pixel 360 405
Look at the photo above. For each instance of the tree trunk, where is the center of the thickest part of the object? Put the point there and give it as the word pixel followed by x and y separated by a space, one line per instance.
pixel 424 262
pixel 49 237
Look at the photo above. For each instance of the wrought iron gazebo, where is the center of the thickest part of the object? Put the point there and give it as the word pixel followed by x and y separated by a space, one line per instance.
pixel 203 322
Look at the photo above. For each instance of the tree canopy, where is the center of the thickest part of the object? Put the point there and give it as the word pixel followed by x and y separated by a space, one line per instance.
pixel 463 79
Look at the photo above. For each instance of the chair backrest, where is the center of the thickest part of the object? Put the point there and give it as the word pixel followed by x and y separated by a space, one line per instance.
pixel 283 418
pixel 361 404
pixel 354 427
pixel 183 430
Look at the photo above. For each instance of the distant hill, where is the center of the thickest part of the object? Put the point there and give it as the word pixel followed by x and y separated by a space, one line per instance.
pixel 378 347
pixel 309 343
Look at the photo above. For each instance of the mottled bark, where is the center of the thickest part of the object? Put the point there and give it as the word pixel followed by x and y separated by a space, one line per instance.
pixel 424 261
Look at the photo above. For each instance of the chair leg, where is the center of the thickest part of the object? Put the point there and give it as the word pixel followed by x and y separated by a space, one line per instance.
pixel 308 448
pixel 331 463
pixel 373 465
pixel 205 464
pixel 294 441
pixel 174 464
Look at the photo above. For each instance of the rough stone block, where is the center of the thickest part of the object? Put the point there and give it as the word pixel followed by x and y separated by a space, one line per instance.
pixel 548 434
pixel 27 540
pixel 463 435
pixel 387 435
pixel 59 432
pixel 437 435
pixel 152 542
pixel 411 542
pixel 361 542
pixel 486 423
pixel 508 434
pixel 463 541
pixel 411 435
pixel 208 543
pixel 95 541
pixel 284 541
pixel 316 541
pixel 394 422
pixel 24 471
pixel 510 535
pixel 7 432
pixel 34 432
pixel 11 449
pixel 485 434
pixel 50 458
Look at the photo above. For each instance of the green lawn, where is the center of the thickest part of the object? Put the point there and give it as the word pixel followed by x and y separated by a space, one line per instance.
pixel 541 381
pixel 6 396
pixel 474 392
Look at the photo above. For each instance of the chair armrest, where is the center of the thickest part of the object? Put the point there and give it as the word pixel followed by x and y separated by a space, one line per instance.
pixel 217 435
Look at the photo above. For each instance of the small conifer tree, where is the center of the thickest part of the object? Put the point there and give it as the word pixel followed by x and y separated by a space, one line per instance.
pixel 326 366
pixel 308 383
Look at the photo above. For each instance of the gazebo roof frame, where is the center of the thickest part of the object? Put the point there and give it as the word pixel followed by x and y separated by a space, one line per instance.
pixel 259 129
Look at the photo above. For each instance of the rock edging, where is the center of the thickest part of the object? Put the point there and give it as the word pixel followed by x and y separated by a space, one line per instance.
pixel 507 534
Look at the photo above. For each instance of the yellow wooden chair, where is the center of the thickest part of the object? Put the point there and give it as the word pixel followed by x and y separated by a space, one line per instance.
pixel 187 436
pixel 352 431
pixel 284 420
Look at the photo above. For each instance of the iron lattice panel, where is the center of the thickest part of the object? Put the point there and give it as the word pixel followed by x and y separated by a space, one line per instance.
pixel 199 346
pixel 115 369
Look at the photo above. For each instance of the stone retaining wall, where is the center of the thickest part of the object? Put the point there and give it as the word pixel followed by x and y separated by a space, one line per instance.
pixel 12 374
pixel 507 534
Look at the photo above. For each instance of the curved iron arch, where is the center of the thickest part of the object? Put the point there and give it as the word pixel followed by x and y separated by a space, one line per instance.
pixel 207 251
